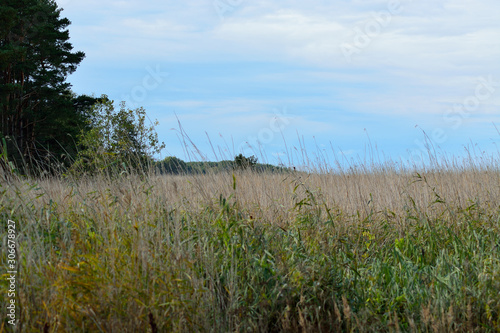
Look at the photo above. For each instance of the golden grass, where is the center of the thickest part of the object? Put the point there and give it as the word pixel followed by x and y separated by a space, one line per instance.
pixel 215 252
pixel 272 196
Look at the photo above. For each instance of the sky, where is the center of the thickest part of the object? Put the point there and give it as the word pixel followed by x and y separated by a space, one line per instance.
pixel 282 79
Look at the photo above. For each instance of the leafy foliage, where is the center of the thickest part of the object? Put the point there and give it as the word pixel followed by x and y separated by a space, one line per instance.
pixel 116 140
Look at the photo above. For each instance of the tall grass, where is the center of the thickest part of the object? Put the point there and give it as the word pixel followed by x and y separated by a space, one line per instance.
pixel 370 248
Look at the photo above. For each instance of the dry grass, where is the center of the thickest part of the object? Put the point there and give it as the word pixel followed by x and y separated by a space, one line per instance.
pixel 271 196
pixel 367 251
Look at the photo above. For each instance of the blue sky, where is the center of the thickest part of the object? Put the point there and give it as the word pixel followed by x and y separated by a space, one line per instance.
pixel 324 75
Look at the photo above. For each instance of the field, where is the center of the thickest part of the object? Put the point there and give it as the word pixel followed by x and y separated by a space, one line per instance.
pixel 370 251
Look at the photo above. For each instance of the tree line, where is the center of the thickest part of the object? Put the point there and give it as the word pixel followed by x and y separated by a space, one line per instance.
pixel 174 165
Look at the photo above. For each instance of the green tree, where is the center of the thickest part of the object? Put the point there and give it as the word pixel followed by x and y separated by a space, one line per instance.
pixel 172 165
pixel 243 162
pixel 38 112
pixel 116 140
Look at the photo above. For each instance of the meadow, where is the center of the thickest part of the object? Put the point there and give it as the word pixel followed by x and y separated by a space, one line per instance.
pixel 382 249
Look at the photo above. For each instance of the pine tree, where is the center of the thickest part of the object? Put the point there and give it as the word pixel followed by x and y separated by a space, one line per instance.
pixel 39 113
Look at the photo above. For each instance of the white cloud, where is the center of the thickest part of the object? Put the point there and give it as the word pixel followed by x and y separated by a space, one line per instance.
pixel 426 35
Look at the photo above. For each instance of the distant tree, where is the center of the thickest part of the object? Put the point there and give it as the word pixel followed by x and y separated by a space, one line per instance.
pixel 172 165
pixel 38 112
pixel 243 162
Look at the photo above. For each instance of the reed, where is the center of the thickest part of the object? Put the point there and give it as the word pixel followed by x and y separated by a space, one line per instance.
pixel 372 248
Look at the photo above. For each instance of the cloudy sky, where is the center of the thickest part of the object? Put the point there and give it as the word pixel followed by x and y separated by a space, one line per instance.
pixel 274 78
